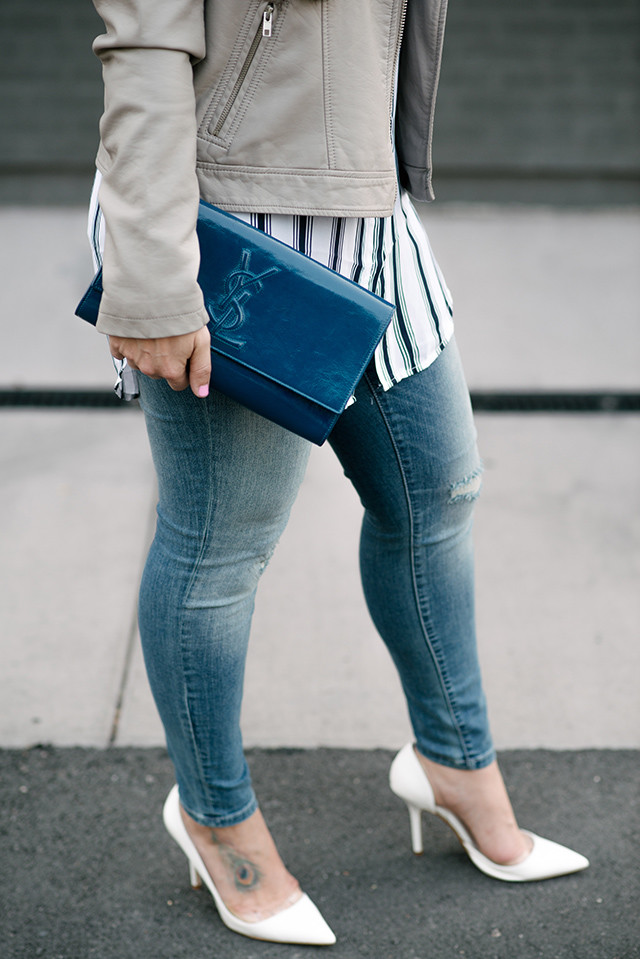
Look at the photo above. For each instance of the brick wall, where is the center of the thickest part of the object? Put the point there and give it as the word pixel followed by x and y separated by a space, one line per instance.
pixel 539 100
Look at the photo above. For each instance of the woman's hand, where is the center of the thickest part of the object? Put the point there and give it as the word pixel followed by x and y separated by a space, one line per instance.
pixel 182 361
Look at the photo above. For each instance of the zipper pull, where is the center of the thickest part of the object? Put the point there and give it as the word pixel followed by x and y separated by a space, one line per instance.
pixel 267 21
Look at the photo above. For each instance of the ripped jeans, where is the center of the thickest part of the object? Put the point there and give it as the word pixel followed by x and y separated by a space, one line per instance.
pixel 227 480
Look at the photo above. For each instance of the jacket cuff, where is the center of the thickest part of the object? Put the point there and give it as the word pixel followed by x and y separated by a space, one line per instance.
pixel 148 328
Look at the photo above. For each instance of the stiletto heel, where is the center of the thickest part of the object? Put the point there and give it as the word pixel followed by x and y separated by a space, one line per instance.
pixel 415 820
pixel 547 859
pixel 299 924
pixel 194 878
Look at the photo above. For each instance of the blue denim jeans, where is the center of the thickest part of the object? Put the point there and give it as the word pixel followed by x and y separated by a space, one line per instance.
pixel 227 480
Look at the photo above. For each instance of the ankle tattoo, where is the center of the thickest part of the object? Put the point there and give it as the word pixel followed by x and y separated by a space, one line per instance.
pixel 246 875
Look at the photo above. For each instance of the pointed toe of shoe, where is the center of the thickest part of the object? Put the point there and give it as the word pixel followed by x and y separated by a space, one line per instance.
pixel 300 924
pixel 546 860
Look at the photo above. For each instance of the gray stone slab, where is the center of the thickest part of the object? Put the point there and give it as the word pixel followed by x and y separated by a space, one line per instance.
pixel 558 546
pixel 75 504
pixel 558 549
pixel 543 298
pixel 46 268
pixel 88 871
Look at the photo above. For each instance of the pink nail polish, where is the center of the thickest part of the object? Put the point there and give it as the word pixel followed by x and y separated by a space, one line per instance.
pixel 203 391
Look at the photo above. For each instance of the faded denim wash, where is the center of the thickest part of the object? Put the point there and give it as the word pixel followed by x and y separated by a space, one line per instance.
pixel 227 481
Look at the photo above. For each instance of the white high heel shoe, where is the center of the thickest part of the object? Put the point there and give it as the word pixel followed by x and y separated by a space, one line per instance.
pixel 300 924
pixel 547 859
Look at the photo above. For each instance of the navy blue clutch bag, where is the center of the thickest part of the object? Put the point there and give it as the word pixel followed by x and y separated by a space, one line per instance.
pixel 290 339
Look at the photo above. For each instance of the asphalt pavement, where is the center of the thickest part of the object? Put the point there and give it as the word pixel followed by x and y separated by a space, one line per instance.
pixel 87 870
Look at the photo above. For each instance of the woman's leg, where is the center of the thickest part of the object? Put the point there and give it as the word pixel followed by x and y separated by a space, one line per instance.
pixel 411 454
pixel 227 479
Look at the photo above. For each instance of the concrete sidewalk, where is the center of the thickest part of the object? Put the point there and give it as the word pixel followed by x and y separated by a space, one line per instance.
pixel 545 299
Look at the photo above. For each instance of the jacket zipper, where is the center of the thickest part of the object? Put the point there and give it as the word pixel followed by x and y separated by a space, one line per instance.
pixel 265 29
pixel 396 62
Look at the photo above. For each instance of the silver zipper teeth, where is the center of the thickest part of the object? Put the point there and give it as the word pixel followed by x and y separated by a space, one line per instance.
pixel 266 23
pixel 403 17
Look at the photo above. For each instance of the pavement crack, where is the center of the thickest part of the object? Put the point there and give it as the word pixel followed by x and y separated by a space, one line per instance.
pixel 131 642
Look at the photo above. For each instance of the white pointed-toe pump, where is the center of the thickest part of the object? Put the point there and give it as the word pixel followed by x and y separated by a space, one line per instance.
pixel 547 859
pixel 299 924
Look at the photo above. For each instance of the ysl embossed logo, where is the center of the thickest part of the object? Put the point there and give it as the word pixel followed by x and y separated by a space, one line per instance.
pixel 240 285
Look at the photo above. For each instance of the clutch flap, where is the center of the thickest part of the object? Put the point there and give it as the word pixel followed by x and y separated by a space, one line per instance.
pixel 274 310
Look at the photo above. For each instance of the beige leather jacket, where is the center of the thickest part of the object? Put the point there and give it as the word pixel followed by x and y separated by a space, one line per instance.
pixel 282 106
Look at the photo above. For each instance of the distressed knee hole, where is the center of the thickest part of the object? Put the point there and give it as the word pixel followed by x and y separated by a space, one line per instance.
pixel 264 560
pixel 466 489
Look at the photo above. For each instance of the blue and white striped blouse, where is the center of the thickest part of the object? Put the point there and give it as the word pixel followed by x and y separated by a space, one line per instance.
pixel 391 256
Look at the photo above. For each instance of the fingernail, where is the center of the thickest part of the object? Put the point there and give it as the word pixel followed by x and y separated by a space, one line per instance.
pixel 203 391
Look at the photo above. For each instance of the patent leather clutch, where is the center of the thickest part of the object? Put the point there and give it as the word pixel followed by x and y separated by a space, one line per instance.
pixel 290 338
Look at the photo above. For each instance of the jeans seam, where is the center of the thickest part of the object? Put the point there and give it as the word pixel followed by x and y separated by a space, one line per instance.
pixel 202 407
pixel 445 687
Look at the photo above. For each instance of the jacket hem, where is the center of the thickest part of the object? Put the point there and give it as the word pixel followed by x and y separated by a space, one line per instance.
pixel 299 192
pixel 417 182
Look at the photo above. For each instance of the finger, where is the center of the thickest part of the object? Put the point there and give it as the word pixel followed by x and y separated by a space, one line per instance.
pixel 200 363
pixel 172 369
pixel 178 382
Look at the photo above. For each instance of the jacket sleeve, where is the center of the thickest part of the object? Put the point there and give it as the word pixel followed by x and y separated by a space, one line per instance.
pixel 147 156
